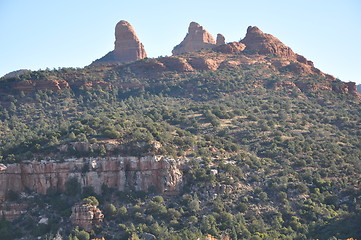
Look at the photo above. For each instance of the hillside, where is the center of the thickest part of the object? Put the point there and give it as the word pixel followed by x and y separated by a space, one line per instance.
pixel 256 143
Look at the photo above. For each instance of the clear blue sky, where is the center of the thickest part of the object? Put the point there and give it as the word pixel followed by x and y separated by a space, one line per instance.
pixel 36 34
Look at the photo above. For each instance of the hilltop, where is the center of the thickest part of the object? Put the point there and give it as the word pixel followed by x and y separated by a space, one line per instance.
pixel 198 52
pixel 238 140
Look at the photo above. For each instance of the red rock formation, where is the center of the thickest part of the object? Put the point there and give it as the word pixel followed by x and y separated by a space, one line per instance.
pixel 303 60
pixel 127 48
pixel 147 66
pixel 299 68
pixel 204 64
pixel 118 172
pixel 347 88
pixel 196 39
pixel 229 64
pixel 264 43
pixel 220 39
pixel 86 216
pixel 230 48
pixel 44 84
pixel 176 64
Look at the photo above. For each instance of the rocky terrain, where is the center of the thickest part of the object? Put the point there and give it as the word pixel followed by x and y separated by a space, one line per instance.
pixel 255 48
pixel 237 140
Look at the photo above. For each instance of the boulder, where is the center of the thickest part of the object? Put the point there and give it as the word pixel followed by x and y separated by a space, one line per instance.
pixel 2 167
pixel 196 39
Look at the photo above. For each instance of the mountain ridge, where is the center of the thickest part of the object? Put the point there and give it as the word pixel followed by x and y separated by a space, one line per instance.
pixel 256 47
pixel 218 143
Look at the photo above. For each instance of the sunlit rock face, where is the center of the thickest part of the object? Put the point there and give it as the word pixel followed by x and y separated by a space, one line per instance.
pixel 127 47
pixel 196 39
pixel 122 173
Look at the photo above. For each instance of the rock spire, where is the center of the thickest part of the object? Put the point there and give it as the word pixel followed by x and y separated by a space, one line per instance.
pixel 220 39
pixel 196 39
pixel 127 48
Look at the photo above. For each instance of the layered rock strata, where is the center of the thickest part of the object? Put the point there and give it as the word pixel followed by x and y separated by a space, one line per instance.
pixel 122 173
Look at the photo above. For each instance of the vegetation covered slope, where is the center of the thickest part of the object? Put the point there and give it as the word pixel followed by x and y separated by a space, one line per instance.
pixel 275 154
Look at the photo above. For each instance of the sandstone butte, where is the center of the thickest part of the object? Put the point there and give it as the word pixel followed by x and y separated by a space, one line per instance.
pixel 196 39
pixel 127 47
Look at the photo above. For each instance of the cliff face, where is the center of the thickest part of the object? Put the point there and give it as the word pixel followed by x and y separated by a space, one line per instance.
pixel 121 173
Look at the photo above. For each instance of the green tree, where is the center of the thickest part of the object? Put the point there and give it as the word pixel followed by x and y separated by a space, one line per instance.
pixel 91 200
pixel 83 235
pixel 72 187
pixel 110 210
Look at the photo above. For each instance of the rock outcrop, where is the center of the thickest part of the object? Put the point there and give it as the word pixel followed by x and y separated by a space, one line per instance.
pixel 176 64
pixel 196 39
pixel 204 64
pixel 127 48
pixel 43 84
pixel 122 173
pixel 86 216
pixel 263 43
pixel 230 48
pixel 220 39
pixel 347 88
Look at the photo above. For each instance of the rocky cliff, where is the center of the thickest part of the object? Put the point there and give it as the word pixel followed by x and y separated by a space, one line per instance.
pixel 196 39
pixel 127 48
pixel 122 173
